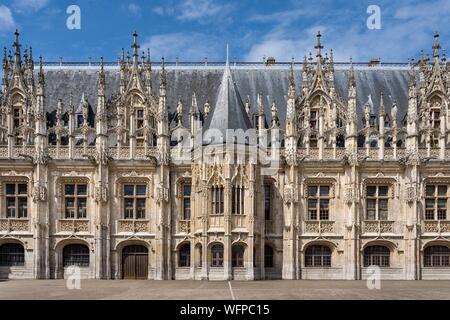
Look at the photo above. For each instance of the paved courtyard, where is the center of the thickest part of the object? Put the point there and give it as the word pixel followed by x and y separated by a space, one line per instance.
pixel 239 290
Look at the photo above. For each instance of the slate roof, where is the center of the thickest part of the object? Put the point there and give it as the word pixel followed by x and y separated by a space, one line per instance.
pixel 205 81
pixel 229 111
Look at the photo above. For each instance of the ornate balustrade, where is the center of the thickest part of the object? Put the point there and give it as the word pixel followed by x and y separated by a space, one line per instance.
pixel 184 226
pixel 133 225
pixel 319 226
pixel 436 226
pixel 379 226
pixel 14 225
pixel 73 225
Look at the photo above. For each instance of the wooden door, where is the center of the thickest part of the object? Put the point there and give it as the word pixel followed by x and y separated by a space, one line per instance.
pixel 135 262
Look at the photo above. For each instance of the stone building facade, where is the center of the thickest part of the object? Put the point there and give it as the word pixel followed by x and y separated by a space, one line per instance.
pixel 148 170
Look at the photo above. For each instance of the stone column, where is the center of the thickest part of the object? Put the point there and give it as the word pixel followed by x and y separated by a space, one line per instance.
pixel 290 263
pixel 227 236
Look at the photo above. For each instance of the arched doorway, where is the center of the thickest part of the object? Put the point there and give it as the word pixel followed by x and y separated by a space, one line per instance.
pixel 135 262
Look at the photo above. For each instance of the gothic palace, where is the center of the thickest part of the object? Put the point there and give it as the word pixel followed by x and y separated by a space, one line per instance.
pixel 141 170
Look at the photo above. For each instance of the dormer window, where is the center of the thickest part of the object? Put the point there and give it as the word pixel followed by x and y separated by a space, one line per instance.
pixel 80 121
pixel 313 121
pixel 373 121
pixel 435 124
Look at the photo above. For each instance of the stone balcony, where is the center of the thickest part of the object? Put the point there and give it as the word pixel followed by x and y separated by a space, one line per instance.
pixel 378 226
pixel 73 226
pixel 318 226
pixel 133 226
pixel 436 226
pixel 14 225
pixel 184 226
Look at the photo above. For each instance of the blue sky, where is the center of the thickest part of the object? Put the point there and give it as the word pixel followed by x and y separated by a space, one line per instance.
pixel 195 29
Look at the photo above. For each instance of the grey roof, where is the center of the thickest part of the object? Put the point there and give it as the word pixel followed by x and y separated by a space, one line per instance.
pixel 272 82
pixel 229 111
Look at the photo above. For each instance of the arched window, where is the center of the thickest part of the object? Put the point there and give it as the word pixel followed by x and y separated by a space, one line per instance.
pixel 12 254
pixel 237 256
pixel 76 255
pixel 318 256
pixel 376 256
pixel 184 258
pixel 268 256
pixel 217 255
pixel 437 256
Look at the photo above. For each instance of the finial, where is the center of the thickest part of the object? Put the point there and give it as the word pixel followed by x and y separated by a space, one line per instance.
pixel 228 56
pixel 163 72
pixel 436 45
pixel 41 70
pixel 206 108
pixel 16 46
pixel 5 58
pixel 148 56
pixel 382 109
pixel 101 65
pixel 352 72
pixel 318 46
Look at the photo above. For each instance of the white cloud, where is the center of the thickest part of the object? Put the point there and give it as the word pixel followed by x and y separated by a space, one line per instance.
pixel 406 29
pixel 24 6
pixel 6 19
pixel 134 9
pixel 194 10
pixel 187 46
pixel 202 11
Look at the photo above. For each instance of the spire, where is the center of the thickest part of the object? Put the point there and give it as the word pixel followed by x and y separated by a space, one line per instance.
pixel 291 81
pixel 101 87
pixel 59 109
pixel 17 46
pixel 162 75
pixel 194 106
pixel 148 74
pixel 41 72
pixel 102 71
pixel 31 63
pixel 135 47
pixel 260 104
pixel 229 111
pixel 71 105
pixel 149 61
pixel 318 46
pixel 5 71
pixel 382 108
pixel 227 63
pixel 436 48
pixel 352 74
pixel 122 60
pixel 180 112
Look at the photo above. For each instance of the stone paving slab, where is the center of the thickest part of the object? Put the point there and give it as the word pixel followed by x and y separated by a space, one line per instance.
pixel 210 290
